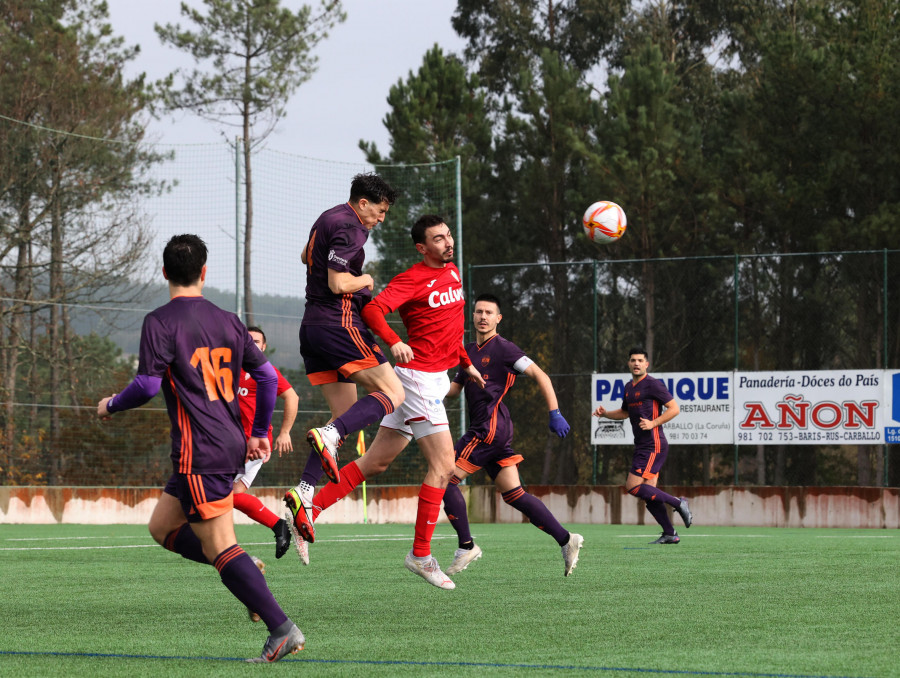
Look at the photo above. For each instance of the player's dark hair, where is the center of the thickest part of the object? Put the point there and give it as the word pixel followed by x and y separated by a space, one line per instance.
pixel 373 188
pixel 254 328
pixel 639 350
pixel 423 223
pixel 491 299
pixel 184 258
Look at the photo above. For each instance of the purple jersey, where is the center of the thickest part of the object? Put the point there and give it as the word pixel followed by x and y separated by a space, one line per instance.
pixel 488 417
pixel 198 350
pixel 335 242
pixel 644 400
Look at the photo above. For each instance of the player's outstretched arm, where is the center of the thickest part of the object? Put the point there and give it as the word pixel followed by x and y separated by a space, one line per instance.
pixel 558 424
pixel 283 443
pixel 141 390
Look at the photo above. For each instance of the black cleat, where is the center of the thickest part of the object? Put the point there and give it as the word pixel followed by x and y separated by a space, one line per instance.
pixel 667 539
pixel 282 537
pixel 684 512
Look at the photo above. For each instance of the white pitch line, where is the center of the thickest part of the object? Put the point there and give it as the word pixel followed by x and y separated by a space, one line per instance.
pixel 248 543
pixel 855 536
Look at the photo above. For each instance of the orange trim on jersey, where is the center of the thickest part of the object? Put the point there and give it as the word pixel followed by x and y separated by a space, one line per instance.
pixel 514 460
pixel 657 444
pixel 478 347
pixel 326 377
pixel 309 249
pixel 510 380
pixel 467 450
pixel 362 364
pixel 198 493
pixel 186 451
pixel 355 212
pixel 467 466
pixel 214 509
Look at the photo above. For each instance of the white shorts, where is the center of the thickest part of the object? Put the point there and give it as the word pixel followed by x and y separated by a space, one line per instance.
pixel 251 468
pixel 422 413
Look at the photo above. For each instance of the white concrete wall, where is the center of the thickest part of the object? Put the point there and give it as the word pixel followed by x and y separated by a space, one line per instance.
pixel 849 507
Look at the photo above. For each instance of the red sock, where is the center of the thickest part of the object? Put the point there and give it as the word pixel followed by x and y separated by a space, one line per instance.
pixel 430 499
pixel 253 508
pixel 351 476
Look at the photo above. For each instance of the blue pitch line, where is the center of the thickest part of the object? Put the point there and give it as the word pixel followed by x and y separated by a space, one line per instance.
pixel 488 665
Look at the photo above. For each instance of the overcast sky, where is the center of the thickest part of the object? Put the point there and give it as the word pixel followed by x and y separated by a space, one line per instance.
pixel 380 43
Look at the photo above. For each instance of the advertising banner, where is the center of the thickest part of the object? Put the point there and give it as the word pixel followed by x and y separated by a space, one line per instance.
pixel 705 399
pixel 839 407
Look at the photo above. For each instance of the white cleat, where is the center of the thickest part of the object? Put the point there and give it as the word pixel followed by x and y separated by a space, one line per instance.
pixel 429 570
pixel 463 558
pixel 570 552
pixel 300 543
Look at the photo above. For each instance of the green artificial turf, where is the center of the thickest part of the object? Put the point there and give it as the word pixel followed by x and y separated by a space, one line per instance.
pixel 88 600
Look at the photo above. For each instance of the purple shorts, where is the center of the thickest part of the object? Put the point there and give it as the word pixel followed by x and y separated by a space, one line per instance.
pixel 331 354
pixel 647 463
pixel 202 496
pixel 473 454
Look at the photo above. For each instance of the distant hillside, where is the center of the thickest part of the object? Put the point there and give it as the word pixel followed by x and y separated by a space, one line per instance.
pixel 278 316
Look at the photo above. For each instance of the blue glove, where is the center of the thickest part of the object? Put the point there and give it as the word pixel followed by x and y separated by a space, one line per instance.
pixel 558 424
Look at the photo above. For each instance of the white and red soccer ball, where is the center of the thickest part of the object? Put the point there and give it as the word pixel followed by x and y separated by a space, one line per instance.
pixel 604 222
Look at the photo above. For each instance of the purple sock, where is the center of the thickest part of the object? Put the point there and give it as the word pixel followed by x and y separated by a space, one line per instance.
pixel 313 472
pixel 537 513
pixel 241 576
pixel 658 510
pixel 185 543
pixel 649 493
pixel 365 411
pixel 455 508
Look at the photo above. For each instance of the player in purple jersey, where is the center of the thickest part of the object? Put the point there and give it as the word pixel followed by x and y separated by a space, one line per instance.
pixel 649 405
pixel 487 443
pixel 194 351
pixel 338 349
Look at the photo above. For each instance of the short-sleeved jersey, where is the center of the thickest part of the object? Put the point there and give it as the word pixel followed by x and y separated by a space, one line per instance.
pixel 335 242
pixel 198 350
pixel 247 399
pixel 644 400
pixel 431 303
pixel 495 359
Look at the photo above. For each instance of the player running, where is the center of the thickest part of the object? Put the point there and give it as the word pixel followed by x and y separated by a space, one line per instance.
pixel 338 350
pixel 487 443
pixel 245 502
pixel 644 397
pixel 429 298
pixel 194 351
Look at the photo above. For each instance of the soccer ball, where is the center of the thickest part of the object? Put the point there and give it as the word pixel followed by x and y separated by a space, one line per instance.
pixel 604 222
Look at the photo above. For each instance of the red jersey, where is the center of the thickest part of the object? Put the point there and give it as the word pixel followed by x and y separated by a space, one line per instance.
pixel 247 400
pixel 432 306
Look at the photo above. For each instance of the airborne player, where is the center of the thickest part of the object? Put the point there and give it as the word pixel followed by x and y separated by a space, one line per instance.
pixel 429 298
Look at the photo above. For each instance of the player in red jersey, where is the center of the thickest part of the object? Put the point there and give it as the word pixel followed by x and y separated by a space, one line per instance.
pixel 429 298
pixel 194 351
pixel 648 404
pixel 245 502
